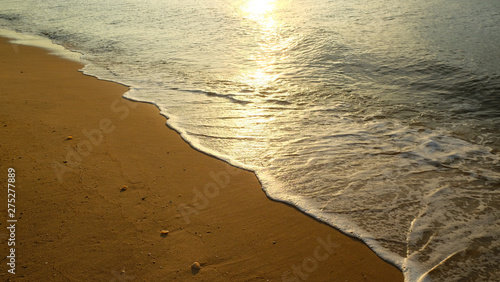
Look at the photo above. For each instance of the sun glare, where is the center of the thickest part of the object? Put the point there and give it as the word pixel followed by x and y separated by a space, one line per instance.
pixel 258 8
pixel 267 29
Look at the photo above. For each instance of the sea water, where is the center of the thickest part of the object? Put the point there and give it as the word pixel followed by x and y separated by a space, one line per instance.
pixel 381 118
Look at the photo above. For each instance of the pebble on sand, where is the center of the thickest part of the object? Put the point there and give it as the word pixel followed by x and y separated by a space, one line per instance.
pixel 196 265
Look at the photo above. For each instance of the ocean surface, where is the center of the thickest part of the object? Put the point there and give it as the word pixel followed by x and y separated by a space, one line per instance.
pixel 381 118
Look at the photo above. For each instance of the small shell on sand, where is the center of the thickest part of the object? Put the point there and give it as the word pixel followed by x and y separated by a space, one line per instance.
pixel 164 232
pixel 196 265
pixel 124 187
pixel 69 137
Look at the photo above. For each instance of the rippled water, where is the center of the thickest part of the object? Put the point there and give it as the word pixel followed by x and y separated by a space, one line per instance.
pixel 381 118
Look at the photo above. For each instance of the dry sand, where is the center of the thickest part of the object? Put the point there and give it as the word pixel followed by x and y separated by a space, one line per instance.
pixel 76 223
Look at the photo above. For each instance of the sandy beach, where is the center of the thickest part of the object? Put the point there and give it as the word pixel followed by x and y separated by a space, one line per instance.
pixel 99 177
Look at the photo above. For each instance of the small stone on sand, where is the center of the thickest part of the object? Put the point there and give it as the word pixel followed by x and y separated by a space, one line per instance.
pixel 196 265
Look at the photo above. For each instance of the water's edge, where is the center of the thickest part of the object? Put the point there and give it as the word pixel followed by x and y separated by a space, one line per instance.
pixel 409 269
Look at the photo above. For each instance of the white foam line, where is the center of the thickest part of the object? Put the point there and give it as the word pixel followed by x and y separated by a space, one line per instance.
pixel 42 42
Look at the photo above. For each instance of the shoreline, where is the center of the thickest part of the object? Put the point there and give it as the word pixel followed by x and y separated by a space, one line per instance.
pixel 101 176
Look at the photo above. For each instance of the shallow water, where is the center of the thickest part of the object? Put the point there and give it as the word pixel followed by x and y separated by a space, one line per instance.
pixel 381 118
